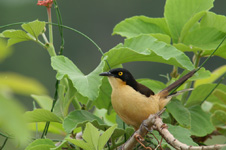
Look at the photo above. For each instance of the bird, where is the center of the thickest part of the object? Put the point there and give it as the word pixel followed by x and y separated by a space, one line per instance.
pixel 134 102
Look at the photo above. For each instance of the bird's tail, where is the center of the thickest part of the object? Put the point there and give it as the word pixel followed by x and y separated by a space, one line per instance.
pixel 170 90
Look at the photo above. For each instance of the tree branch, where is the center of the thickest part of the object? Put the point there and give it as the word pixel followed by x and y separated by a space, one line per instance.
pixel 155 122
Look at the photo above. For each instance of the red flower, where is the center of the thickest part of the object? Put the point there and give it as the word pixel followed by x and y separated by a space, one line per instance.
pixel 47 3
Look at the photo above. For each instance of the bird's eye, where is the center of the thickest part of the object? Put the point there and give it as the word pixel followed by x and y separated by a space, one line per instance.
pixel 120 73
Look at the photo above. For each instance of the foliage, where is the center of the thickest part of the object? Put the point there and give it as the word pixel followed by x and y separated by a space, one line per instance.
pixel 187 26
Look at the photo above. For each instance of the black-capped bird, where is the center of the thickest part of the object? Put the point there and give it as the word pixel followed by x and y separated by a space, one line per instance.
pixel 134 102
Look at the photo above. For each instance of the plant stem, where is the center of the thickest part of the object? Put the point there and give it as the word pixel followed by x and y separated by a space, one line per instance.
pixel 60 23
pixel 76 104
pixel 3 145
pixel 50 47
pixel 50 25
pixel 88 104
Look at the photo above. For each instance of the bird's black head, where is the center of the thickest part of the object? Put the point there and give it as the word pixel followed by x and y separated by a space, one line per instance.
pixel 120 73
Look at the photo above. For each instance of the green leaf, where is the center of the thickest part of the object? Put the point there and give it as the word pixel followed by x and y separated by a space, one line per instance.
pixel 137 25
pixel 42 147
pixel 92 138
pixel 213 20
pixel 200 122
pixel 180 113
pixel 105 137
pixel 218 106
pixel 185 137
pixel 205 38
pixel 41 115
pixel 54 127
pixel 147 48
pixel 154 85
pixel 179 12
pixel 21 85
pixel 44 101
pixel 221 95
pixel 213 77
pixel 162 37
pixel 78 118
pixel 40 143
pixel 86 85
pixel 80 143
pixel 65 98
pixel 176 132
pixel 35 28
pixel 104 97
pixel 219 118
pixel 200 93
pixel 11 119
pixel 16 36
pixel 191 24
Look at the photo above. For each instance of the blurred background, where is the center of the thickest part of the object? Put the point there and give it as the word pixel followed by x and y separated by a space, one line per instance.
pixel 94 18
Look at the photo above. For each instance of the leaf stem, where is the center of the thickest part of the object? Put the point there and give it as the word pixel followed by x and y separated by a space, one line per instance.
pixel 88 104
pixel 3 145
pixel 60 22
pixel 76 104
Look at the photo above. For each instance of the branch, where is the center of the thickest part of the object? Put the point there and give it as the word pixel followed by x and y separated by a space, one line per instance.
pixel 155 122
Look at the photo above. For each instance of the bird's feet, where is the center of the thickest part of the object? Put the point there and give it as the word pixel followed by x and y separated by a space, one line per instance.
pixel 146 127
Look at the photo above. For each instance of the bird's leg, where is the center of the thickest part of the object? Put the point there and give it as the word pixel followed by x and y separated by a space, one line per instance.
pixel 146 127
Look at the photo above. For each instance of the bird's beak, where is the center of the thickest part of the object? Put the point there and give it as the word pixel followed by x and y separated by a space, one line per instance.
pixel 106 74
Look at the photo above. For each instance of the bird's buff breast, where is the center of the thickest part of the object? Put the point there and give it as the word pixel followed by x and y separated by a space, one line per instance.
pixel 132 106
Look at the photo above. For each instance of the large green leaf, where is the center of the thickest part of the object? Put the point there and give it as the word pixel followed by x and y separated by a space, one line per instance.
pixel 191 24
pixel 180 113
pixel 21 85
pixel 41 115
pixel 86 85
pixel 200 122
pixel 44 144
pixel 137 25
pixel 213 20
pixel 34 28
pixel 179 12
pixel 78 118
pixel 147 48
pixel 205 38
pixel 11 119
